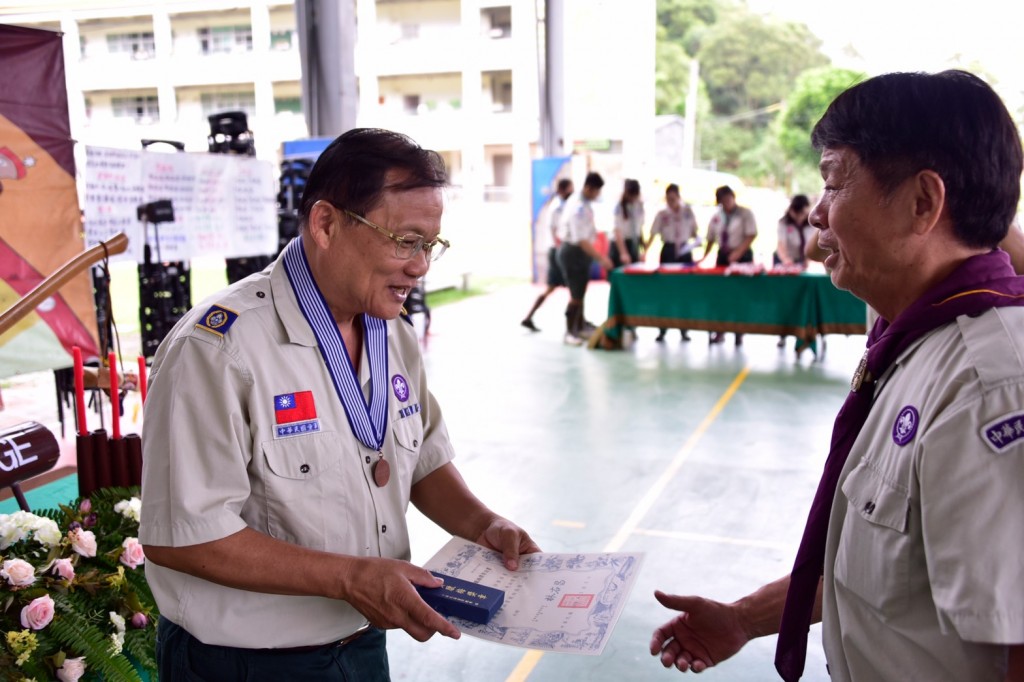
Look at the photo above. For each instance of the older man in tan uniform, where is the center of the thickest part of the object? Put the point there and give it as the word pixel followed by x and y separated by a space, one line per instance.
pixel 289 426
pixel 911 554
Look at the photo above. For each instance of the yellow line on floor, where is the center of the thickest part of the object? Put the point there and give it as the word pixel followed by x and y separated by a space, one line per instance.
pixel 531 658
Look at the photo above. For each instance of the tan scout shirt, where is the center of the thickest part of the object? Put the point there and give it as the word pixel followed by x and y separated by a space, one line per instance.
pixel 577 221
pixel 215 462
pixel 923 566
pixel 737 226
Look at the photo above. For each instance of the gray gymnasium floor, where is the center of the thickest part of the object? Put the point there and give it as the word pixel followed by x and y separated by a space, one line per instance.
pixel 703 458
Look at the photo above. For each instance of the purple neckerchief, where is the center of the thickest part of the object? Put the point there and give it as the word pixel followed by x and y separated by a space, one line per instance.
pixel 976 285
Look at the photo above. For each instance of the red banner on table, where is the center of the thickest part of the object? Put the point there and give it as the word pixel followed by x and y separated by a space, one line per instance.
pixel 40 220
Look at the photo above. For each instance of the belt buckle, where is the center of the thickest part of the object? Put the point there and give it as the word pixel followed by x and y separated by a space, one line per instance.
pixel 363 629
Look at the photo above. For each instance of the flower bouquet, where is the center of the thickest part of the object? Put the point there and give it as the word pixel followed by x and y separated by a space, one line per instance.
pixel 73 597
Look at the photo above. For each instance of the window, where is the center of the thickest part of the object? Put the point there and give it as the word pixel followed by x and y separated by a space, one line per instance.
pixel 221 39
pixel 281 40
pixel 291 105
pixel 142 109
pixel 219 102
pixel 136 45
pixel 498 84
pixel 411 104
pixel 496 22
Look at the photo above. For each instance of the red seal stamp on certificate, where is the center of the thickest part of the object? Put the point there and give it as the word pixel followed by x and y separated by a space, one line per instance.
pixel 576 601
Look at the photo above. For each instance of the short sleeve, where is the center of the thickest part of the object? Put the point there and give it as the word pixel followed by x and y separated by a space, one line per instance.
pixel 749 224
pixel 196 447
pixel 972 518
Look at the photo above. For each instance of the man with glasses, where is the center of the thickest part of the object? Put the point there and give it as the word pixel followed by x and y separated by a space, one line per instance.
pixel 288 426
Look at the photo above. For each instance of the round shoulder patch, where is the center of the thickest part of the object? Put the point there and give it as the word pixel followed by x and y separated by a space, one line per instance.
pixel 905 427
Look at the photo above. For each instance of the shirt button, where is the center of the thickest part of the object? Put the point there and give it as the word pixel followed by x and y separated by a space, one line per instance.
pixel 367 459
pixel 415 443
pixel 304 468
pixel 869 507
pixel 260 294
pixel 384 528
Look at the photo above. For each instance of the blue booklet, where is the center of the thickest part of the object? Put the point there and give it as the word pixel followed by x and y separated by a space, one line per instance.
pixel 463 599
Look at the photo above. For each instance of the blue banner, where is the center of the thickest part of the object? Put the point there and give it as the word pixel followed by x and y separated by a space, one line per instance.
pixel 546 172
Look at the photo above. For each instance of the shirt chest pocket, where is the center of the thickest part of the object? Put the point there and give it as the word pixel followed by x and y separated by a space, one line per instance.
pixel 302 488
pixel 873 560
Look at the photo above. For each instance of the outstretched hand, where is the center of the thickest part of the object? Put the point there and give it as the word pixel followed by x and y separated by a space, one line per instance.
pixel 383 590
pixel 704 634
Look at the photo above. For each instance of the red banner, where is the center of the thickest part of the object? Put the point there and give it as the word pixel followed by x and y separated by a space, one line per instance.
pixel 40 220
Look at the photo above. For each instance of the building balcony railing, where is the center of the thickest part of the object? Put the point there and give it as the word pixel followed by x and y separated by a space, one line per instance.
pixel 119 72
pixel 447 129
pixel 434 54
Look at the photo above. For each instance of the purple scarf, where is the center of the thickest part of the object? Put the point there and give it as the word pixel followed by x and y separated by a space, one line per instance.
pixel 978 284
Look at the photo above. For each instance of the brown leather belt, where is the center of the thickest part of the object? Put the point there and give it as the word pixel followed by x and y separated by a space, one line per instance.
pixel 316 647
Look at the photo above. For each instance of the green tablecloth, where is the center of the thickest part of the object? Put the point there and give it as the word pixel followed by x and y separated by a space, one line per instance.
pixel 803 305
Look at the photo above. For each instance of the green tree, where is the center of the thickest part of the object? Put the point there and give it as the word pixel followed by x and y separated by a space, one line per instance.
pixel 748 65
pixel 814 91
pixel 682 21
pixel 749 62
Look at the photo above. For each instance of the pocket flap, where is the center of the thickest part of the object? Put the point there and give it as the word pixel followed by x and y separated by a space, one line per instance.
pixel 408 432
pixel 876 499
pixel 299 458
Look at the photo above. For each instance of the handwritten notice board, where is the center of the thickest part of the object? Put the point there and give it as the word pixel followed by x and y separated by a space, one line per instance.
pixel 223 205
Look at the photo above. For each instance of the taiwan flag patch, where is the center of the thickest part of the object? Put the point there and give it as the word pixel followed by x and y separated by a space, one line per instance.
pixel 294 407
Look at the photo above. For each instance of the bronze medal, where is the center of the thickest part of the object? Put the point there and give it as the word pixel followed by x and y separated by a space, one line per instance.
pixel 381 471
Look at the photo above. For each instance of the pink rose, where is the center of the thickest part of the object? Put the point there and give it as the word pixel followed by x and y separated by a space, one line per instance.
pixel 83 542
pixel 132 555
pixel 139 620
pixel 64 568
pixel 85 506
pixel 19 573
pixel 38 614
pixel 72 669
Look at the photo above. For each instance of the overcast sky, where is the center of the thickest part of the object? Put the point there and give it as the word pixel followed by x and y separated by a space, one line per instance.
pixel 917 35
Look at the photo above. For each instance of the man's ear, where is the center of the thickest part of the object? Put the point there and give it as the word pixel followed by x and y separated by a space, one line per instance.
pixel 321 223
pixel 929 201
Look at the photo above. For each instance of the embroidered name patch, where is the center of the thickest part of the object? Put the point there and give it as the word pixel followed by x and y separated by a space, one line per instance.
pixel 1003 432
pixel 218 320
pixel 295 414
pixel 406 411
pixel 905 426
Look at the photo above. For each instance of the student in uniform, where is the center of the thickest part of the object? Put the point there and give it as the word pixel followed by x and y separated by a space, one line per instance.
pixel 677 227
pixel 576 253
pixel 563 191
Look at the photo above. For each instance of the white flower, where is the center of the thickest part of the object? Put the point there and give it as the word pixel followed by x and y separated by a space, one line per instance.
pixel 116 642
pixel 48 533
pixel 117 639
pixel 17 526
pixel 10 533
pixel 129 508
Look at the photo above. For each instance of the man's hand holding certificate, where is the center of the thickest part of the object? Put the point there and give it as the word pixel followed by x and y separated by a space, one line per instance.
pixel 565 603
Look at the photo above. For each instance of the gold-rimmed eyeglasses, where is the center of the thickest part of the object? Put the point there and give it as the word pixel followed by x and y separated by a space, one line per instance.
pixel 408 245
